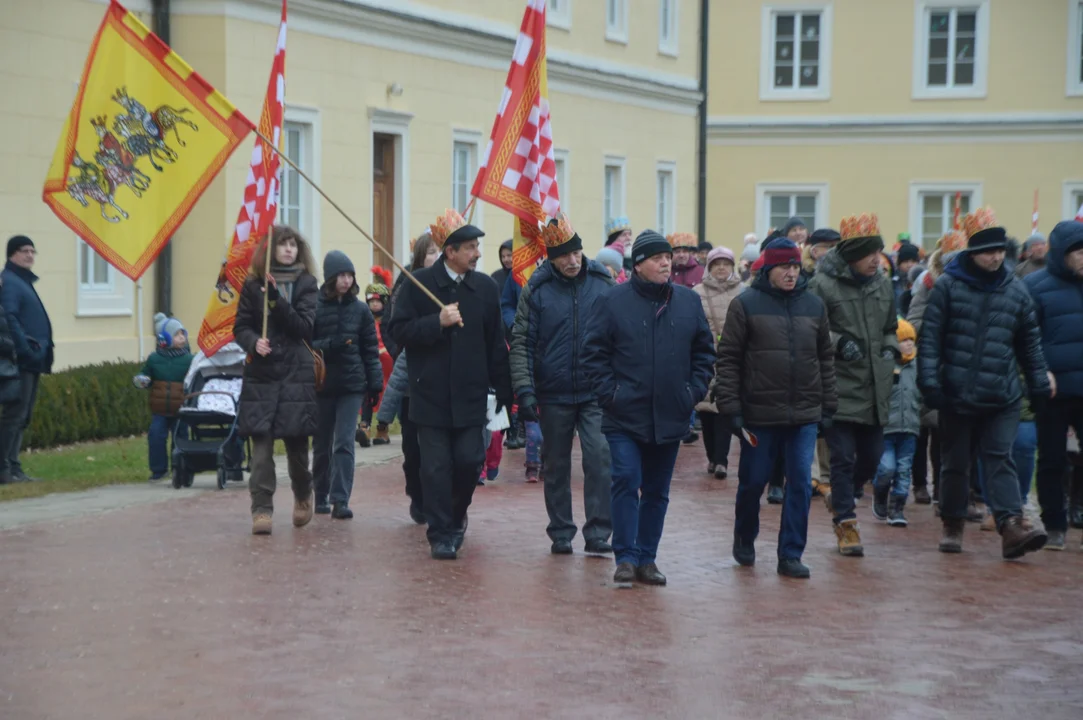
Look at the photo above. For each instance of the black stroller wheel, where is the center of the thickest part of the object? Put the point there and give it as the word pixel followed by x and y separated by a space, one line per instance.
pixel 178 478
pixel 222 478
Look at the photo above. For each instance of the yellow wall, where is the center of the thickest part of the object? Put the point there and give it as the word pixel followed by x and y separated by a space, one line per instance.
pixel 877 178
pixel 872 56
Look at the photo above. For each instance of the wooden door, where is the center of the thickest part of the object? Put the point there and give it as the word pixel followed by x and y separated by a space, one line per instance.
pixel 383 197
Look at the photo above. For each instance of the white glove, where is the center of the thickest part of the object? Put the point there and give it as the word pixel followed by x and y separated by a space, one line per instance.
pixel 141 381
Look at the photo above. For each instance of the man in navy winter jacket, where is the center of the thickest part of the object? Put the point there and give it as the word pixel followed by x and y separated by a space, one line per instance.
pixel 548 376
pixel 1058 294
pixel 33 336
pixel 650 355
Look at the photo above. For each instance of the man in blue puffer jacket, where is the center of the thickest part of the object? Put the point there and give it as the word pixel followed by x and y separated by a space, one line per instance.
pixel 1058 294
pixel 32 333
pixel 979 331
pixel 548 378
pixel 650 356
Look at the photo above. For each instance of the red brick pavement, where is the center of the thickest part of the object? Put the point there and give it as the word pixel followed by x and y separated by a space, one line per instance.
pixel 175 611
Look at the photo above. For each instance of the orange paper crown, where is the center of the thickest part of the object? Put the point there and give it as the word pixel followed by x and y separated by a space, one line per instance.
pixel 859 226
pixel 446 224
pixel 558 231
pixel 981 219
pixel 682 240
pixel 952 241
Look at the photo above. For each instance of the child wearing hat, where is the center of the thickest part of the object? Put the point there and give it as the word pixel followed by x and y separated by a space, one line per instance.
pixel 901 431
pixel 378 297
pixel 163 373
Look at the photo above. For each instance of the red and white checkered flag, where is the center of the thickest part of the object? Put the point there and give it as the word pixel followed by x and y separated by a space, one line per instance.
pixel 518 170
pixel 258 211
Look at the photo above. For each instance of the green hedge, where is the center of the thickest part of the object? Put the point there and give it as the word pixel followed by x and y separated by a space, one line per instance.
pixel 92 402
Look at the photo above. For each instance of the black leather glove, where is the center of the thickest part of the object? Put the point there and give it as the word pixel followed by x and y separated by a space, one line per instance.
pixel 848 349
pixel 272 292
pixel 827 420
pixel 528 408
pixel 733 423
pixel 889 353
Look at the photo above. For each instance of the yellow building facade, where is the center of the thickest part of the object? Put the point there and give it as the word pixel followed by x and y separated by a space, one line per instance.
pixel 389 107
pixel 826 108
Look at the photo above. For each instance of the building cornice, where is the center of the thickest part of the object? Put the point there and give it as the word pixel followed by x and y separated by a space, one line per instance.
pixel 404 26
pixel 887 129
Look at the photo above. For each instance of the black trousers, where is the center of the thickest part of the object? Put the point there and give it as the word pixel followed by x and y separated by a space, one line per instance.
pixel 855 455
pixel 716 438
pixel 449 473
pixel 1053 424
pixel 411 455
pixel 990 436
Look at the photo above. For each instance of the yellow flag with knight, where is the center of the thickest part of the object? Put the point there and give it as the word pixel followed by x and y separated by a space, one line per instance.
pixel 145 137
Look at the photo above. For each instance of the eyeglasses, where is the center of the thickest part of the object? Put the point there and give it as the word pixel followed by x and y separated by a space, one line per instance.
pixel 28 250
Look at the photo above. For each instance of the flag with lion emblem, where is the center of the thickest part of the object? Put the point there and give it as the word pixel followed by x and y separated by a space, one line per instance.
pixel 144 139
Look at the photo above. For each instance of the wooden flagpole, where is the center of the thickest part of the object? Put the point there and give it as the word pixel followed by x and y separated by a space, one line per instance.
pixel 350 220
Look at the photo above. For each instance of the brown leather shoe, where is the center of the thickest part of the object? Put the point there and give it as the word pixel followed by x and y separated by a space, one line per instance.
pixel 849 539
pixel 261 524
pixel 382 438
pixel 649 574
pixel 362 435
pixel 302 511
pixel 952 539
pixel 1017 539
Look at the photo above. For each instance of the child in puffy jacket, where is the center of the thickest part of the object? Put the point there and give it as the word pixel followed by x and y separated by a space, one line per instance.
pixel 901 432
pixel 163 374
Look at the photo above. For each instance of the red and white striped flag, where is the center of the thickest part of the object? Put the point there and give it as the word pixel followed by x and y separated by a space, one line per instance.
pixel 1034 217
pixel 258 211
pixel 518 170
pixel 1079 214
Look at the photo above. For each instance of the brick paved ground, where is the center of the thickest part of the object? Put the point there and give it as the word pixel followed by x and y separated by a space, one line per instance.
pixel 173 610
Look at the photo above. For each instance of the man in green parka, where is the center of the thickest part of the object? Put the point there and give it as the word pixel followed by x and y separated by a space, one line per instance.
pixel 861 310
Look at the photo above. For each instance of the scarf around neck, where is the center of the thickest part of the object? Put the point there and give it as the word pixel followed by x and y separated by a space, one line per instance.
pixel 285 276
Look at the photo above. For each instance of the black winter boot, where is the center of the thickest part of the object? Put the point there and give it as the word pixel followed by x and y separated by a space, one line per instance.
pixel 895 516
pixel 879 500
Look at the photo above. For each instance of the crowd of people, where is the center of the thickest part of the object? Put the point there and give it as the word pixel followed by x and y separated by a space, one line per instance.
pixel 837 363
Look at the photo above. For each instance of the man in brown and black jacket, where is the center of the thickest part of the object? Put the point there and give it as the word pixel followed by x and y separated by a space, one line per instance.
pixel 775 385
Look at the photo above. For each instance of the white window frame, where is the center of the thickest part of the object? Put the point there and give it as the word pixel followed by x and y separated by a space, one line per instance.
pixel 1069 207
pixel 113 298
pixel 669 45
pixel 563 157
pixel 921 89
pixel 311 143
pixel 1073 79
pixel 473 139
pixel 768 91
pixel 668 224
pixel 618 203
pixel 919 189
pixel 617 31
pixel 558 14
pixel 763 208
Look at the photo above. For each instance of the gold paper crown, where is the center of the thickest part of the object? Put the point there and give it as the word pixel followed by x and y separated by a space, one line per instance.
pixel 558 231
pixel 448 223
pixel 952 241
pixel 682 240
pixel 859 226
pixel 981 219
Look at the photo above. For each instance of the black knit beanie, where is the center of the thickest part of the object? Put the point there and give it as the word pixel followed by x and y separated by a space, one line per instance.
pixel 17 243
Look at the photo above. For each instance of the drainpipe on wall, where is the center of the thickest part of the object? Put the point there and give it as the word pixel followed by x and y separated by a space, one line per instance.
pixel 701 159
pixel 163 269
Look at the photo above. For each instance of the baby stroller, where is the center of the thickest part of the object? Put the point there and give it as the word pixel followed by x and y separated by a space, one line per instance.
pixel 205 437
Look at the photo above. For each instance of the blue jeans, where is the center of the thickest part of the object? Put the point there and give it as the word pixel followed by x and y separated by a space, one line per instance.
pixel 157 438
pixel 533 444
pixel 641 475
pixel 897 463
pixel 796 444
pixel 1023 451
pixel 333 446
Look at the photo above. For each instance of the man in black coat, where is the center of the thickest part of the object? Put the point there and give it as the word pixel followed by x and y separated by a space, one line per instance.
pixel 549 379
pixel 454 355
pixel 978 331
pixel 650 355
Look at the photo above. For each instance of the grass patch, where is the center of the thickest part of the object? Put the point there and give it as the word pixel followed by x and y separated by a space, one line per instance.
pixel 81 467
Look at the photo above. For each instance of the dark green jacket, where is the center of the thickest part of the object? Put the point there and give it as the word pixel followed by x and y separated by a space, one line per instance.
pixel 166 373
pixel 866 313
